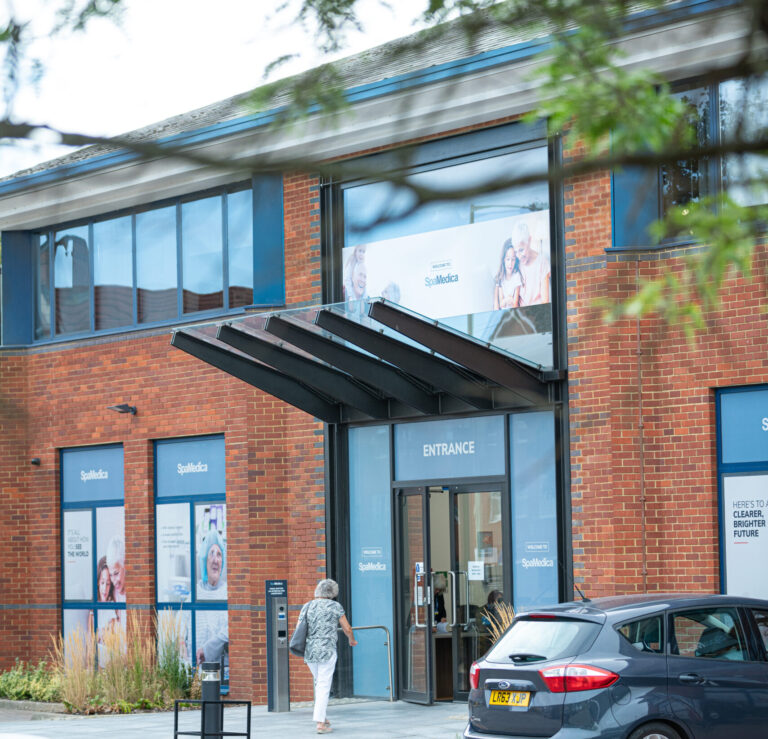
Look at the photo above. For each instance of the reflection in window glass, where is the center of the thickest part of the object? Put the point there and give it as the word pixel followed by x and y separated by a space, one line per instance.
pixel 709 633
pixel 156 273
pixel 644 635
pixel 113 273
pixel 71 270
pixel 744 114
pixel 374 212
pixel 480 264
pixel 42 287
pixel 202 262
pixel 761 619
pixel 240 246
pixel 686 180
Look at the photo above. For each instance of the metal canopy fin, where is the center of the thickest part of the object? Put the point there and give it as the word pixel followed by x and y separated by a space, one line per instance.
pixel 372 371
pixel 302 369
pixel 260 376
pixel 525 381
pixel 432 370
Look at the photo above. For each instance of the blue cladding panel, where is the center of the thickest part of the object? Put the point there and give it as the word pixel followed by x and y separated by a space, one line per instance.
pixel 92 474
pixel 744 426
pixel 190 467
pixel 635 205
pixel 534 508
pixel 443 450
pixel 370 547
pixel 18 288
pixel 268 252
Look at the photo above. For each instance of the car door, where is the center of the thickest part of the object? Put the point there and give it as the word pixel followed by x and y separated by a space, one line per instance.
pixel 716 684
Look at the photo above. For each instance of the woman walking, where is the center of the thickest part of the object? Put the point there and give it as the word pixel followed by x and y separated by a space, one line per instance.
pixel 324 615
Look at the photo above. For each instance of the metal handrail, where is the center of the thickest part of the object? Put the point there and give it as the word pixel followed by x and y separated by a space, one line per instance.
pixel 391 687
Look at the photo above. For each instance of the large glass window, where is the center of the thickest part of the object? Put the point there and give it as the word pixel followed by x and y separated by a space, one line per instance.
pixel 191 547
pixel 156 265
pixel 43 293
pixel 479 263
pixel 113 273
pixel 72 278
pixel 201 248
pixel 151 265
pixel 240 252
pixel 95 572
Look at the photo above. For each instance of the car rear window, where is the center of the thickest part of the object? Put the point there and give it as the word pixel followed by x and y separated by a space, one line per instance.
pixel 537 640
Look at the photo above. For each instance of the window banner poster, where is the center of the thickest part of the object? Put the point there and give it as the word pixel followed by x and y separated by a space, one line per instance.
pixel 110 550
pixel 212 639
pixel 110 634
pixel 78 555
pixel 490 279
pixel 476 268
pixel 745 534
pixel 77 630
pixel 174 635
pixel 174 579
pixel 211 551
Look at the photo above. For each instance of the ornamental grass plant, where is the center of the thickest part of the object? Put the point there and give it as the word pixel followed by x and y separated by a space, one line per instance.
pixel 125 665
pixel 500 620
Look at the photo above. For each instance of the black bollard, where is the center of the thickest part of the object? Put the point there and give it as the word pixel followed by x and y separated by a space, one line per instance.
pixel 210 678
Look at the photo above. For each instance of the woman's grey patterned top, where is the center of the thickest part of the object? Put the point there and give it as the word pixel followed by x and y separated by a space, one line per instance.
pixel 322 617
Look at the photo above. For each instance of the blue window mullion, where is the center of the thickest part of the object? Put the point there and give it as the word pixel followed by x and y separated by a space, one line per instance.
pixel 225 248
pixel 91 277
pixel 135 315
pixel 179 269
pixel 51 286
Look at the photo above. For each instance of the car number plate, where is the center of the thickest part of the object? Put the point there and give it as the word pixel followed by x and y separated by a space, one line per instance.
pixel 509 698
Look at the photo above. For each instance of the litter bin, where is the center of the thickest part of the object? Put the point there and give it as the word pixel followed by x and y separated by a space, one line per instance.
pixel 210 678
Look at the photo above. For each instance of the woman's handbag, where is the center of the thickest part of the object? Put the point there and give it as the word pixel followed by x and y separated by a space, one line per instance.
pixel 298 642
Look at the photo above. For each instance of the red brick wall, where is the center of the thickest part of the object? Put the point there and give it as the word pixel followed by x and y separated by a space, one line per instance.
pixel 57 397
pixel 642 417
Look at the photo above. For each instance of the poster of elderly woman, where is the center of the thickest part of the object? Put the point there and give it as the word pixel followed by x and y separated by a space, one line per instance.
pixel 211 551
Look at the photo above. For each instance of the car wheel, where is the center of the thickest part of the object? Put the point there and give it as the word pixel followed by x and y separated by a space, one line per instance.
pixel 655 730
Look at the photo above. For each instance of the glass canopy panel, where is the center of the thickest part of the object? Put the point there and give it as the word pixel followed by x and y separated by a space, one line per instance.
pixel 478 263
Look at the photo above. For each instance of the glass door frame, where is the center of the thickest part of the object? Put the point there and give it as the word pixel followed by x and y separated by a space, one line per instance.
pixel 453 489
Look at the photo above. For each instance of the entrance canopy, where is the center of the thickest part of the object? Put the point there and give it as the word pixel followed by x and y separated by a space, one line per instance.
pixel 368 360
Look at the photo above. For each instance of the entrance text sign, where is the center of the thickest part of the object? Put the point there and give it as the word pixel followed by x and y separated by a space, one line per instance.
pixel 444 450
pixel 745 534
pixel 476 570
pixel 192 466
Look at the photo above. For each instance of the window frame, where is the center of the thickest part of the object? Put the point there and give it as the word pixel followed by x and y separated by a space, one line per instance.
pixel 47 233
pixel 741 623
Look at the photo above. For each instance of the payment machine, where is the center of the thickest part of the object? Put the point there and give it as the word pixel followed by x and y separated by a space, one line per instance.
pixel 278 683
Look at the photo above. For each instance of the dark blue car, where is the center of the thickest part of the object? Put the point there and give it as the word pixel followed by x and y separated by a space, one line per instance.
pixel 681 666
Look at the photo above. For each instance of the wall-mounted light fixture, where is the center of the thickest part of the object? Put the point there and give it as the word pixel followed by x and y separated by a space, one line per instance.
pixel 123 408
pixel 35 461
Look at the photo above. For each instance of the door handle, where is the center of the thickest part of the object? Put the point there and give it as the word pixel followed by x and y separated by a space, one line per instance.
pixel 453 597
pixel 466 596
pixel 690 678
pixel 416 602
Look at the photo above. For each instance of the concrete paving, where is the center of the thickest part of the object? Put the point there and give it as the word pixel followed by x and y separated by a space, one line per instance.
pixel 372 719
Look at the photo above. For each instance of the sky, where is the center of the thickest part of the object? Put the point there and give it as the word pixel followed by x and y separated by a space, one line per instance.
pixel 163 58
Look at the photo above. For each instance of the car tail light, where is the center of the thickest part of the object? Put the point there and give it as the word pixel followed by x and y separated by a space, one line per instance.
pixel 474 676
pixel 572 678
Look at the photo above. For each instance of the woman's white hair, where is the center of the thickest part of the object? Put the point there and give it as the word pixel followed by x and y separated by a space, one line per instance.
pixel 327 589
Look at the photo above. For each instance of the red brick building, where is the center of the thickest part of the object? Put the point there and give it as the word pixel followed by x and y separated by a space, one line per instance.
pixel 522 446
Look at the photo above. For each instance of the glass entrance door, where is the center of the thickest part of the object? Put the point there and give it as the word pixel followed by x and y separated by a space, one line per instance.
pixel 451 556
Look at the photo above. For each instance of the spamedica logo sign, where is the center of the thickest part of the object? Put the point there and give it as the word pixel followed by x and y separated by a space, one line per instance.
pixel 192 466
pixel 92 473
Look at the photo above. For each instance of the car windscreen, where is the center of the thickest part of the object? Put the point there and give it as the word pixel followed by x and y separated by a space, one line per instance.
pixel 539 640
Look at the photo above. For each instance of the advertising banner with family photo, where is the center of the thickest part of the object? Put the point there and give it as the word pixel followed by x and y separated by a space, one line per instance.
pixel 174 545
pixel 110 553
pixel 211 551
pixel 490 279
